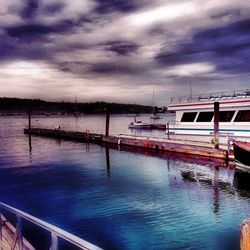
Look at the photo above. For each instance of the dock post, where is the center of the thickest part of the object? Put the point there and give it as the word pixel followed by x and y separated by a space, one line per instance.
pixel 19 233
pixel 228 148
pixel 168 129
pixel 54 242
pixel 107 123
pixel 29 113
pixel 245 235
pixel 216 124
pixel 1 227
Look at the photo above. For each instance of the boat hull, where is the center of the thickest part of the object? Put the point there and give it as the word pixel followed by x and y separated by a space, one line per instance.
pixel 142 126
pixel 242 154
pixel 225 129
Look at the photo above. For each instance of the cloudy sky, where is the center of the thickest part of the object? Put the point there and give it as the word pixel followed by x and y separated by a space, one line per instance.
pixel 123 50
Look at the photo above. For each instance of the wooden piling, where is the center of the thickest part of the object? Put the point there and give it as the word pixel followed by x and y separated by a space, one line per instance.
pixel 168 129
pixel 107 123
pixel 245 235
pixel 216 124
pixel 29 113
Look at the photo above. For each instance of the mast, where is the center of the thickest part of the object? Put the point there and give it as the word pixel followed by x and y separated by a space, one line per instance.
pixel 190 89
pixel 153 102
pixel 76 102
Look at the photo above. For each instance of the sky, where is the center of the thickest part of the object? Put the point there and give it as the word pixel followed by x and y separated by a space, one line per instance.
pixel 123 50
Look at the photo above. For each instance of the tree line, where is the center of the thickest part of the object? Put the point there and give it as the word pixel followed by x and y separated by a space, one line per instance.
pixel 18 105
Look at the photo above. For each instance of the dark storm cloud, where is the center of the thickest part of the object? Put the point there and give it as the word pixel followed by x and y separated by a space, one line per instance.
pixel 121 47
pixel 30 37
pixel 53 8
pixel 29 9
pixel 36 30
pixel 29 42
pixel 29 30
pixel 228 48
pixel 116 68
pixel 12 49
pixel 124 6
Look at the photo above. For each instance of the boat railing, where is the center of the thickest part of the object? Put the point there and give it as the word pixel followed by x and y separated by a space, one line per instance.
pixel 211 96
pixel 56 232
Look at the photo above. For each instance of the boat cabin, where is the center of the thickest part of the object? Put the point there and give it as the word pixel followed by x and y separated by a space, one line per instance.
pixel 195 115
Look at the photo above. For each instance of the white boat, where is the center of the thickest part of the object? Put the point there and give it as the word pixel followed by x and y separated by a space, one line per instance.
pixel 195 115
pixel 139 125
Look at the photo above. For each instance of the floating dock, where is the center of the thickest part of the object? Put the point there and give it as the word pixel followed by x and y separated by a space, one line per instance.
pixel 156 143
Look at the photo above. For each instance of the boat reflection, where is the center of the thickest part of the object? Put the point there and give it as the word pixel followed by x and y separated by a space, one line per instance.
pixel 242 181
pixel 108 162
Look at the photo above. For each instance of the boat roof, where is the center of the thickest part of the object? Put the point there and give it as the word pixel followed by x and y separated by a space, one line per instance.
pixel 204 101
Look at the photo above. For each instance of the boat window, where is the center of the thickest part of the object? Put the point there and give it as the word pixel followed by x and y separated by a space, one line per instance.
pixel 243 116
pixel 188 117
pixel 226 116
pixel 205 116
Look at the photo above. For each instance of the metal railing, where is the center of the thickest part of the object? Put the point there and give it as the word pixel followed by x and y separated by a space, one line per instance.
pixel 211 96
pixel 55 231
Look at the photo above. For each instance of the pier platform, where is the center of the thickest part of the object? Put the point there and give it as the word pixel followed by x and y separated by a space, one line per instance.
pixel 156 143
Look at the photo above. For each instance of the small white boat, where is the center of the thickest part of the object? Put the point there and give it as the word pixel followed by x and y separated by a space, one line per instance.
pixel 139 125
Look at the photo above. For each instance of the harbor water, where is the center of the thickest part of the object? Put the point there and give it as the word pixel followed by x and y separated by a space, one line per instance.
pixel 119 198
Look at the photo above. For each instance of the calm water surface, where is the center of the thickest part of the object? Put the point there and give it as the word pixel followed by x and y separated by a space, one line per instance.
pixel 119 199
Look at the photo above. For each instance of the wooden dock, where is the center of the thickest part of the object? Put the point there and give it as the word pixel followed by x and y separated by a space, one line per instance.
pixel 156 143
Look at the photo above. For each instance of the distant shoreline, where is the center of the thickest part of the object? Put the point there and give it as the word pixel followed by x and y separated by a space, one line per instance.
pixel 17 106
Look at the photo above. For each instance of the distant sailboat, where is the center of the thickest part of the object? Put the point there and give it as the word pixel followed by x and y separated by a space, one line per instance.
pixel 154 115
pixel 76 113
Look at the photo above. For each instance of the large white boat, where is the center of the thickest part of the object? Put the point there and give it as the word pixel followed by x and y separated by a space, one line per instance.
pixel 195 115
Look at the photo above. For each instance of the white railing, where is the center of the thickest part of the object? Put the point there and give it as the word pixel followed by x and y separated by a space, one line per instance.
pixel 55 231
pixel 211 96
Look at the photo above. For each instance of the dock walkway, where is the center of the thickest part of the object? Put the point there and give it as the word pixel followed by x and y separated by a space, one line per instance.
pixel 156 143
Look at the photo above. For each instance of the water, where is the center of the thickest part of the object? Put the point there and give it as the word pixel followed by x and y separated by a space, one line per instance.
pixel 119 199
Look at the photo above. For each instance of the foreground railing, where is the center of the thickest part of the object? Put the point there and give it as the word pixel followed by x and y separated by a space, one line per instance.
pixel 55 231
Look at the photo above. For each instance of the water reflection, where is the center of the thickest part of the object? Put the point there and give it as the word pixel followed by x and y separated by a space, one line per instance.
pixel 192 159
pixel 107 162
pixel 207 179
pixel 30 145
pixel 241 180
pixel 87 148
pixel 215 182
